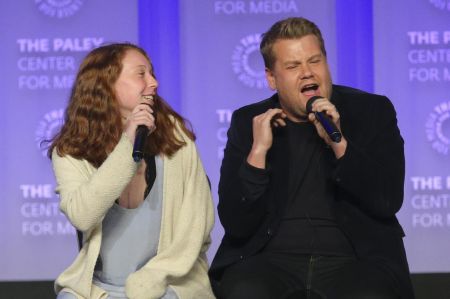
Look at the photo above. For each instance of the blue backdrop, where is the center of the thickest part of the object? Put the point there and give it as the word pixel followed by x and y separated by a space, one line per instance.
pixel 206 58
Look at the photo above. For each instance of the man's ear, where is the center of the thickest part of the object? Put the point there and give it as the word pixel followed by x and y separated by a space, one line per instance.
pixel 270 79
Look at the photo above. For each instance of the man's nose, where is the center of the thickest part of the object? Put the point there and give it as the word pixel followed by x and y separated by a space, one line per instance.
pixel 305 71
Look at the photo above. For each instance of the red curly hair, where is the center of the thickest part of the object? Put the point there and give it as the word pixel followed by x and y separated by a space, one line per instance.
pixel 93 123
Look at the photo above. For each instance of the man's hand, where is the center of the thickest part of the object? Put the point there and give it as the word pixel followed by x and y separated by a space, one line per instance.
pixel 263 136
pixel 325 106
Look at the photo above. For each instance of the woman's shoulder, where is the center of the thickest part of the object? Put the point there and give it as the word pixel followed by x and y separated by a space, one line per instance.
pixel 68 162
pixel 178 129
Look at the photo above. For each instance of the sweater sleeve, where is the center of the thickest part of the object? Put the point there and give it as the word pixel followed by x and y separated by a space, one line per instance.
pixel 87 193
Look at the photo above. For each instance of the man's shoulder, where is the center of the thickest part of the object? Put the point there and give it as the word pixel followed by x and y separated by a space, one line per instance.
pixel 358 105
pixel 357 98
pixel 351 93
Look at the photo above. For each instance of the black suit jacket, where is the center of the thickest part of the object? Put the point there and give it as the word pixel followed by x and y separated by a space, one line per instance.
pixel 369 182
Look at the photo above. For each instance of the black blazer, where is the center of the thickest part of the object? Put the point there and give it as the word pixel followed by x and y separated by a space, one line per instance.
pixel 369 182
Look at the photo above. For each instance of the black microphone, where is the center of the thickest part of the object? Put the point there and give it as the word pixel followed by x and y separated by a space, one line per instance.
pixel 139 141
pixel 324 120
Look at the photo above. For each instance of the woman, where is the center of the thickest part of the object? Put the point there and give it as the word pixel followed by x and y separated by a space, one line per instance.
pixel 144 236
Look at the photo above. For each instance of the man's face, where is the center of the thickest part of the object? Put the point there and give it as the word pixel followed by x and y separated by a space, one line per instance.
pixel 300 72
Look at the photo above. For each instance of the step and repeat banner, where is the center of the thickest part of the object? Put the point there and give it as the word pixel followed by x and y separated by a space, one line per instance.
pixel 42 44
pixel 222 68
pixel 412 67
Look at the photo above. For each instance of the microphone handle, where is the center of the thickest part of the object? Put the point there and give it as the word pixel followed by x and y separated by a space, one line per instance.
pixel 324 120
pixel 329 127
pixel 139 141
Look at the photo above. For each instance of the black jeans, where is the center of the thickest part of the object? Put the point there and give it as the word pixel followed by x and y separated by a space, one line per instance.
pixel 271 275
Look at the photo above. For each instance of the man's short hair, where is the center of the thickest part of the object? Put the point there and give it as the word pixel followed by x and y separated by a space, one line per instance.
pixel 290 28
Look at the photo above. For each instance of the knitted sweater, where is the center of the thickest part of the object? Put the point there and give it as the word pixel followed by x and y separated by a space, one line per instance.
pixel 87 193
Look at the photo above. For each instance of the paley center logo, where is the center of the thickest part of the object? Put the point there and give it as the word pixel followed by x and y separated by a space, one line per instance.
pixel 438 128
pixel 247 62
pixel 47 128
pixel 59 8
pixel 441 4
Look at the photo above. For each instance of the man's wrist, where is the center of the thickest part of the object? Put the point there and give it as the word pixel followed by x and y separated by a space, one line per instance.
pixel 257 157
pixel 339 148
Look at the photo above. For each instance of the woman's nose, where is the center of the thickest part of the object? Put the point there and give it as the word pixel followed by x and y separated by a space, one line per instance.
pixel 152 82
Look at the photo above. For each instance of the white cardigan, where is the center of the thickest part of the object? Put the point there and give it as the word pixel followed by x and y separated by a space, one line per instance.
pixel 87 193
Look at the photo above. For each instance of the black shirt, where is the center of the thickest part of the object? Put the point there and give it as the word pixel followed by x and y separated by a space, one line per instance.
pixel 308 225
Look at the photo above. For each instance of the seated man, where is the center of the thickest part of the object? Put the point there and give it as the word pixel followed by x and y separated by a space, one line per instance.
pixel 307 215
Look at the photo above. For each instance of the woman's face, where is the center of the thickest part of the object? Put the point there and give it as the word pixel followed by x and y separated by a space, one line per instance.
pixel 136 83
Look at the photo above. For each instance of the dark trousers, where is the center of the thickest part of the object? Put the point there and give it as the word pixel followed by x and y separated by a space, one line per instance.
pixel 271 275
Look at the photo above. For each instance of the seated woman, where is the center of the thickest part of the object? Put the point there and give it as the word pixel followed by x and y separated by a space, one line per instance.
pixel 145 224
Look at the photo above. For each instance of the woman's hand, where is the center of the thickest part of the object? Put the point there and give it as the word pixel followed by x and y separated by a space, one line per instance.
pixel 142 114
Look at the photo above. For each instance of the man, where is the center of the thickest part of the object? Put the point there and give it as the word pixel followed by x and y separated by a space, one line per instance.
pixel 305 216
